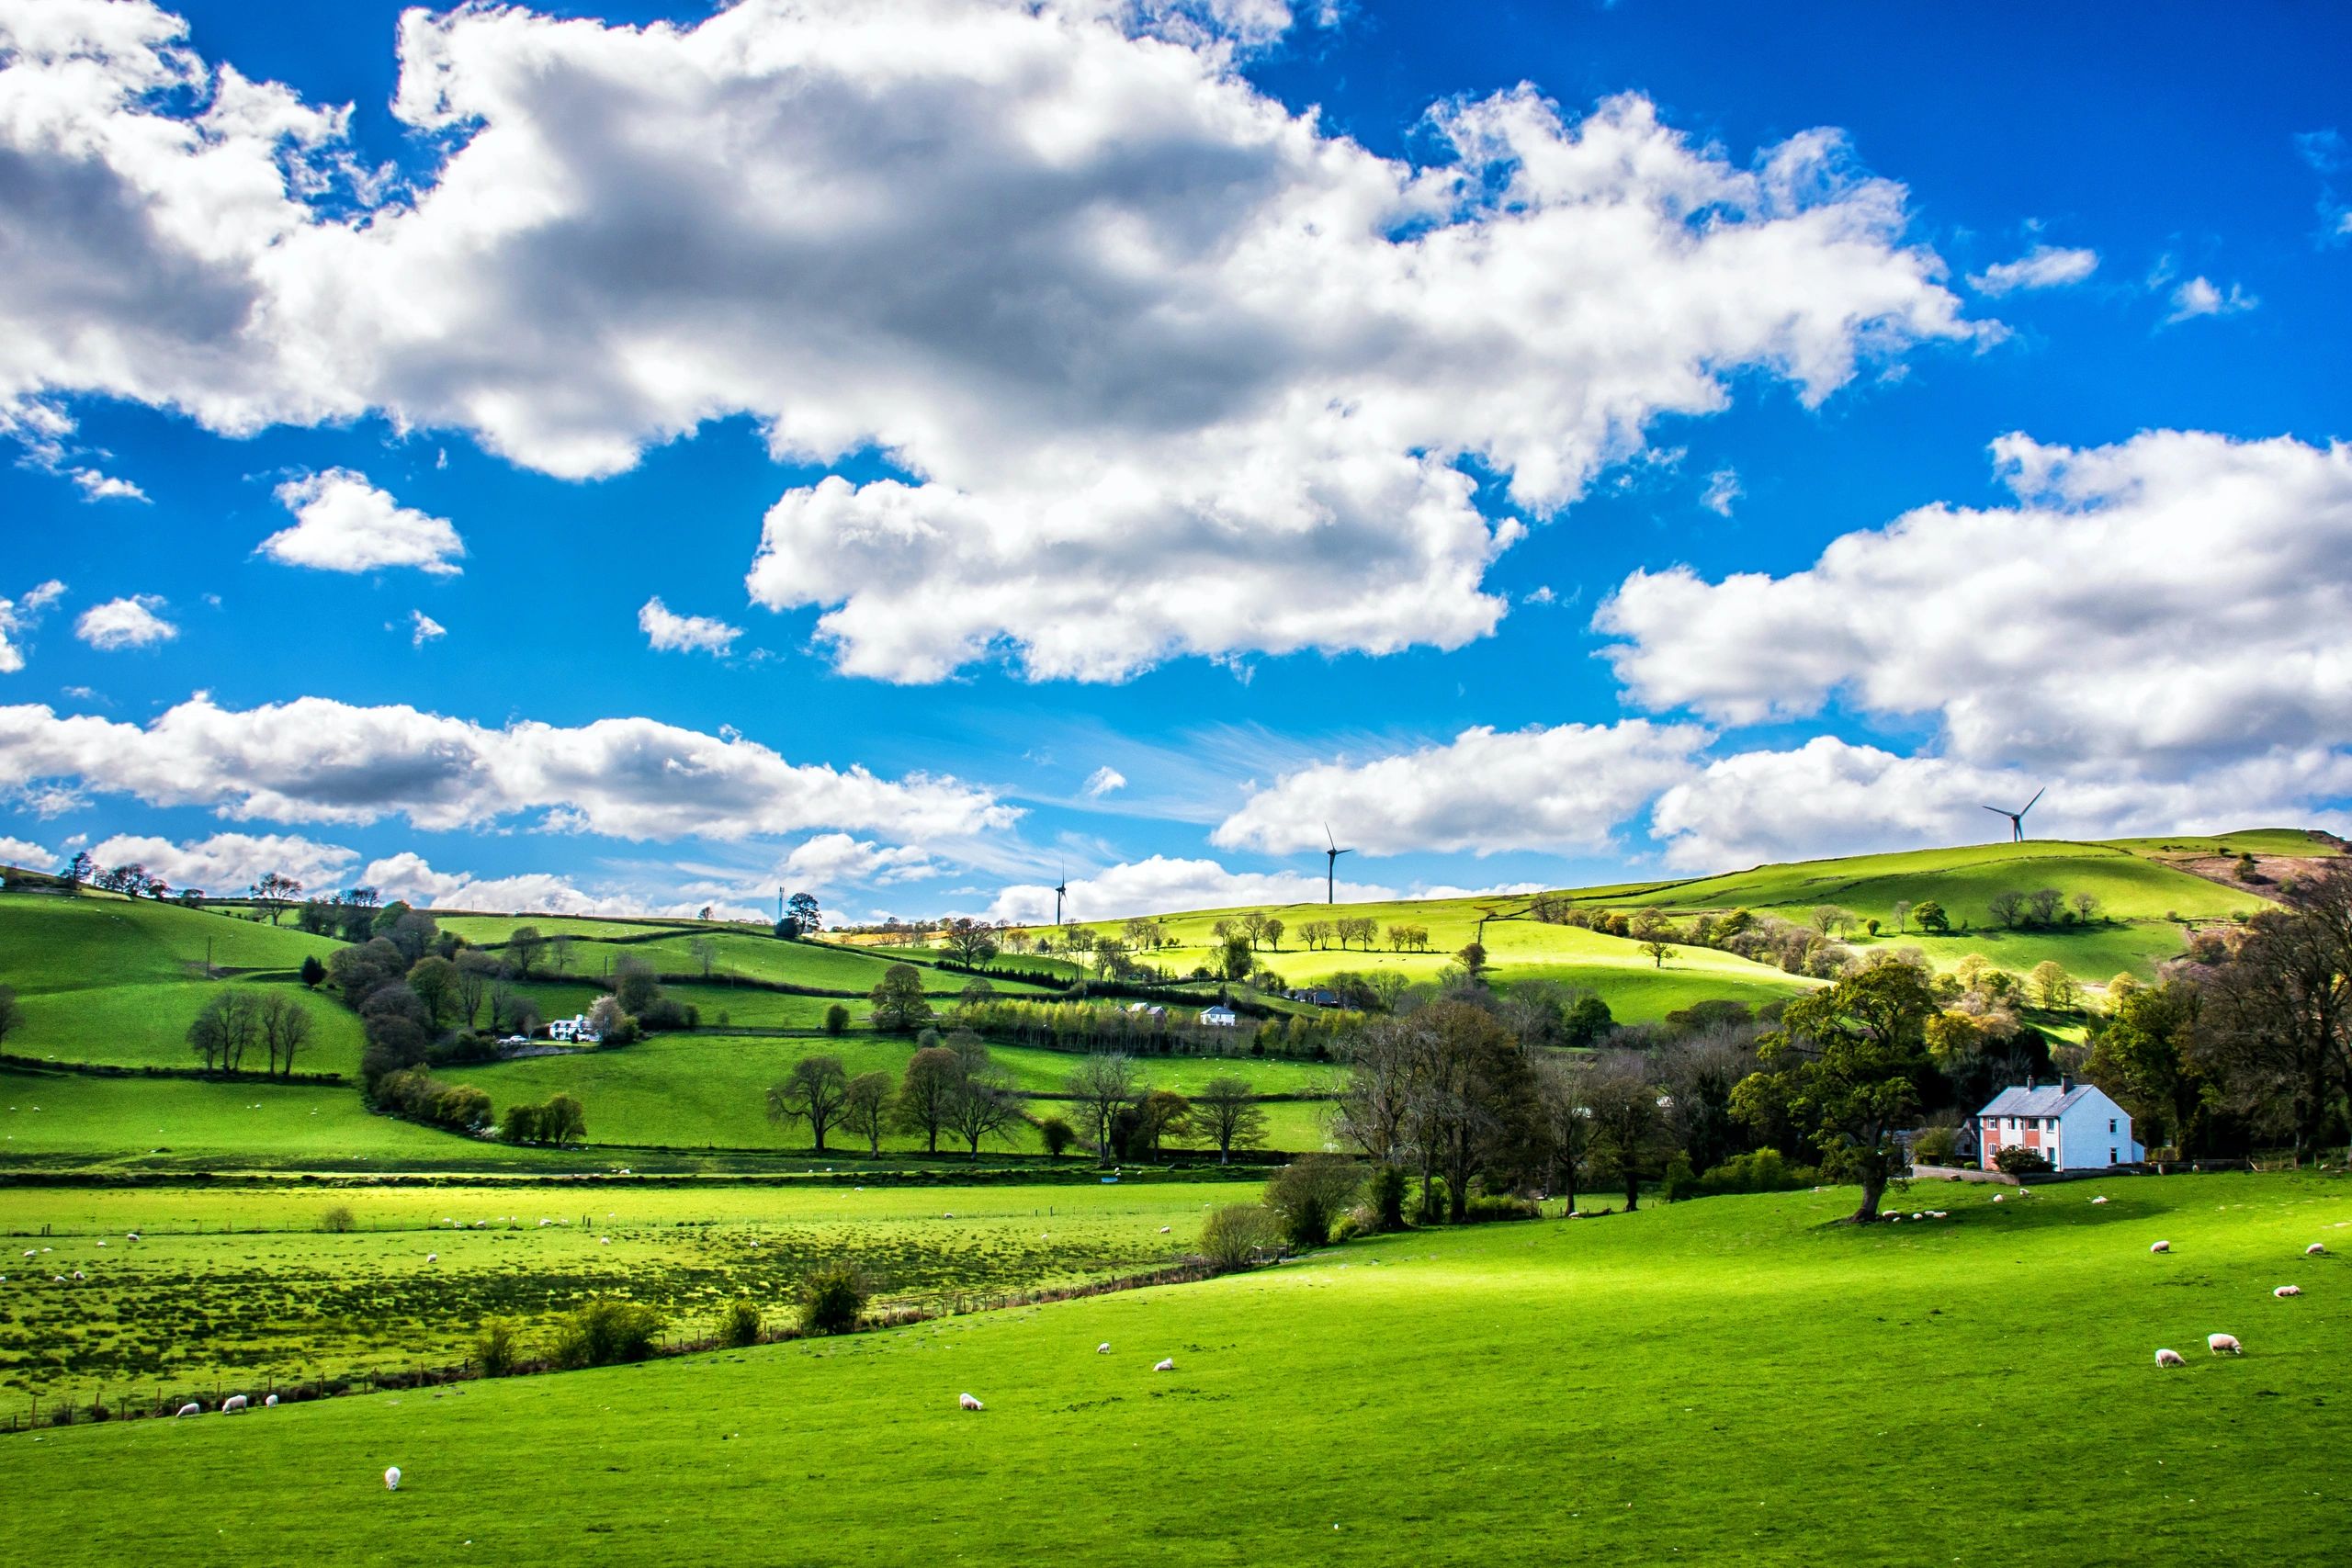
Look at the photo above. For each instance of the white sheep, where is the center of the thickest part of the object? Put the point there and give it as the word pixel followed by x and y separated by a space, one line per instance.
pixel 188 1409
pixel 1104 1349
pixel 968 1403
pixel 2101 1199
pixel 2283 1291
pixel 2315 1250
pixel 392 1478
pixel 232 1405
pixel 1998 1196
pixel 2160 1247
pixel 432 1257
pixel 2225 1345
pixel 1167 1366
pixel 2170 1358
pixel 270 1404
pixel 132 1236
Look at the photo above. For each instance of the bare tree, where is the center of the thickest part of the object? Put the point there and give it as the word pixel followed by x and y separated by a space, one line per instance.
pixel 1566 1123
pixel 1105 1081
pixel 477 971
pixel 706 952
pixel 926 1092
pixel 814 1092
pixel 524 949
pixel 980 1105
pixel 286 1029
pixel 1226 1112
pixel 865 1107
pixel 276 891
pixel 1629 1126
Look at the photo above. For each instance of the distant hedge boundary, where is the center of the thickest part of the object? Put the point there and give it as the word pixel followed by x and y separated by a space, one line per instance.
pixel 131 1070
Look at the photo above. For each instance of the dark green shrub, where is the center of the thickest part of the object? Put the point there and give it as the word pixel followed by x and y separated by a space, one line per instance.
pixel 2016 1160
pixel 1762 1171
pixel 832 1298
pixel 1058 1134
pixel 1680 1180
pixel 1309 1195
pixel 1487 1206
pixel 836 1020
pixel 494 1346
pixel 1387 1195
pixel 603 1333
pixel 739 1323
pixel 1237 1235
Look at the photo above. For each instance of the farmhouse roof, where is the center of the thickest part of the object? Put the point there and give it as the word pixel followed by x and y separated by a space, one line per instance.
pixel 2048 1099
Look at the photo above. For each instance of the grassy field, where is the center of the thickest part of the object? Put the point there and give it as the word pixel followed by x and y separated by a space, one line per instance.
pixel 690 1090
pixel 1728 1381
pixel 241 1285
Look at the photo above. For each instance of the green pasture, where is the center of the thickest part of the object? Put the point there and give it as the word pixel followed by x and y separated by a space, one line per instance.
pixel 241 1285
pixel 1729 1381
pixel 688 1091
pixel 2249 840
pixel 145 1024
pixel 52 943
pixel 183 1124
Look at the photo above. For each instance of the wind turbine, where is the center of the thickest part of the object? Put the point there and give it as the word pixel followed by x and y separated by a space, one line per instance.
pixel 1062 890
pixel 1332 866
pixel 2016 818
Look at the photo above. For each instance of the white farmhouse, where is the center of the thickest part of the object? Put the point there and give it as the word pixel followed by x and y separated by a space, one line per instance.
pixel 2075 1126
pixel 576 1030
pixel 1219 1017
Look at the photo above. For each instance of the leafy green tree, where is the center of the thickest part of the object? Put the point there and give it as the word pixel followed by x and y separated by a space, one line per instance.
pixel 2147 1057
pixel 1843 1068
pixel 969 942
pixel 1630 1136
pixel 525 948
pixel 832 1298
pixel 981 1105
pixel 312 970
pixel 1225 1112
pixel 562 1120
pixel 1309 1195
pixel 865 1107
pixel 1656 951
pixel 1929 917
pixel 816 1091
pixel 434 981
pixel 2053 987
pixel 1238 958
pixel 1056 1134
pixel 635 986
pixel 837 1020
pixel 898 1004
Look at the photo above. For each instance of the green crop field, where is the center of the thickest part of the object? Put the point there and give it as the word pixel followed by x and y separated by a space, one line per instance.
pixel 242 1285
pixel 1728 1381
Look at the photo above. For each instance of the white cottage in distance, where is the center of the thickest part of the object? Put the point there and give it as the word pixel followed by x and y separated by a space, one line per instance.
pixel 2075 1126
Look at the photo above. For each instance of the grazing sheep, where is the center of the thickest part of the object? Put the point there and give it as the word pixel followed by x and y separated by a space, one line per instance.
pixel 132 1236
pixel 2283 1291
pixel 2170 1358
pixel 270 1404
pixel 1165 1229
pixel 2314 1250
pixel 1919 1216
pixel 968 1403
pixel 79 1275
pixel 232 1405
pixel 2160 1247
pixel 2225 1345
pixel 1998 1196
pixel 392 1478
pixel 2101 1199
pixel 1167 1366
pixel 190 1409
pixel 1104 1349
pixel 432 1257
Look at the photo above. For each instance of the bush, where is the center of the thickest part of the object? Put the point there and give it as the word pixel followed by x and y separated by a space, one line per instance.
pixel 1764 1171
pixel 1936 1145
pixel 832 1298
pixel 739 1323
pixel 1237 1235
pixel 1387 1195
pixel 1309 1195
pixel 605 1333
pixel 836 1020
pixel 494 1346
pixel 2016 1160
pixel 1489 1206
pixel 337 1217
pixel 1680 1180
pixel 1057 1136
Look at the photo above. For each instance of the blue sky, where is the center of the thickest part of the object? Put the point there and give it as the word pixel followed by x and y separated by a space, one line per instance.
pixel 1426 420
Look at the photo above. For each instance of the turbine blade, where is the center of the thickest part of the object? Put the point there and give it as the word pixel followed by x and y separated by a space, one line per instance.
pixel 2036 796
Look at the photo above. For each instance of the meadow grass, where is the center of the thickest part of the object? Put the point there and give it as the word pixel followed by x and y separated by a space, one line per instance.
pixel 1727 1381
pixel 242 1284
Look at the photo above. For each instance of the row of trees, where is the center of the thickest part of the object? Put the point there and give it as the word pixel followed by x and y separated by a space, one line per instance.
pixel 238 1023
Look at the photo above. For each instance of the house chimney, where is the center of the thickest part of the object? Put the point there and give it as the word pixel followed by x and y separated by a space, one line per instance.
pixel 2066 1083
pixel 2029 1080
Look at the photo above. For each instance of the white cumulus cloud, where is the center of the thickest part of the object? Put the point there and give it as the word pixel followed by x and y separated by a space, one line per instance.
pixel 2165 604
pixel 342 522
pixel 24 853
pixel 20 615
pixel 1164 367
pixel 2044 267
pixel 125 623
pixel 1103 780
pixel 667 632
pixel 1562 787
pixel 2202 297
pixel 838 860
pixel 97 486
pixel 229 862
pixel 315 760
pixel 1164 885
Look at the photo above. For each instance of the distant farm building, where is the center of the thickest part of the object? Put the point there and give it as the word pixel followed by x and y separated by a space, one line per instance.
pixel 575 1031
pixel 1219 1017
pixel 1316 997
pixel 2074 1126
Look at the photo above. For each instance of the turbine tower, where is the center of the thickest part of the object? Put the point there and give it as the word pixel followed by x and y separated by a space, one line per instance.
pixel 1062 890
pixel 2016 818
pixel 1332 866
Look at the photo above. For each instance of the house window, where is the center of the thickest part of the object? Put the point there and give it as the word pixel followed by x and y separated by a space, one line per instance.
pixel 2110 1157
pixel 2111 1125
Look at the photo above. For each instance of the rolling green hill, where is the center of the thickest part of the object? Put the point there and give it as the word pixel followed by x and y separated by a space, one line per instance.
pixel 1730 1381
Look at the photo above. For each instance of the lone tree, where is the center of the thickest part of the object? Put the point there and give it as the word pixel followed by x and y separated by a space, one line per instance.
pixel 1104 1082
pixel 865 1107
pixel 1929 917
pixel 969 942
pixel 801 914
pixel 1629 1134
pixel 927 1091
pixel 312 970
pixel 898 1004
pixel 1843 1068
pixel 276 893
pixel 1657 951
pixel 980 1105
pixel 1056 1134
pixel 524 950
pixel 816 1091
pixel 706 952
pixel 1226 1113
